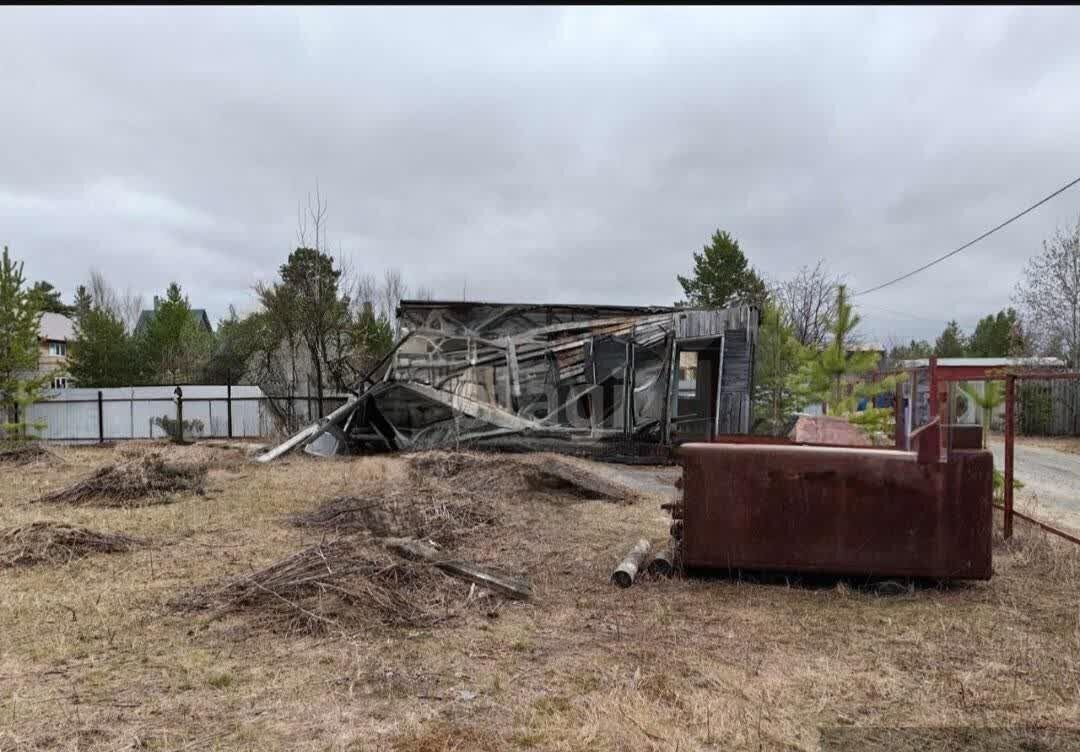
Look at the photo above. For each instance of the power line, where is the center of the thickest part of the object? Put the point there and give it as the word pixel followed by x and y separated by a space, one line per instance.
pixel 906 316
pixel 986 234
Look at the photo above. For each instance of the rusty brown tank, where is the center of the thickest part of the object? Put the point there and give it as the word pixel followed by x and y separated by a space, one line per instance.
pixel 837 510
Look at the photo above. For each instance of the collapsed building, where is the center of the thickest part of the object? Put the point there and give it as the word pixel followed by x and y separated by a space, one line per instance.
pixel 601 380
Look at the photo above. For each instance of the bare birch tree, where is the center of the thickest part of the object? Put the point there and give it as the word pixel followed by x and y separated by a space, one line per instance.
pixel 808 303
pixel 392 292
pixel 125 306
pixel 1048 295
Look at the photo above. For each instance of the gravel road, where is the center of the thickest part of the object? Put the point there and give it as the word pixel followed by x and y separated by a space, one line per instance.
pixel 655 480
pixel 1051 478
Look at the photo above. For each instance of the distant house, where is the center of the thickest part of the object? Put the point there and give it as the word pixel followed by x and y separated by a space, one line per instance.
pixel 198 314
pixel 874 347
pixel 55 334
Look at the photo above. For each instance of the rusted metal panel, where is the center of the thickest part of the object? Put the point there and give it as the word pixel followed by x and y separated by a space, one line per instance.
pixel 963 436
pixel 876 512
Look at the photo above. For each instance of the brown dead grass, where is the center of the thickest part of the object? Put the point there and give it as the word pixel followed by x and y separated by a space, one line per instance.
pixel 444 736
pixel 95 658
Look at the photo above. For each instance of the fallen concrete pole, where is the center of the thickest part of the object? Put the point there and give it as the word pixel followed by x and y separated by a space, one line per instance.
pixel 624 574
pixel 308 434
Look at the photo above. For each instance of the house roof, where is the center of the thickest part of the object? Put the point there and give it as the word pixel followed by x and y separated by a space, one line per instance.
pixel 199 314
pixel 56 327
pixel 985 362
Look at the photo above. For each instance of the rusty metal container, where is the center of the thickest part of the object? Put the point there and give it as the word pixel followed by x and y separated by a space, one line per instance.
pixel 854 511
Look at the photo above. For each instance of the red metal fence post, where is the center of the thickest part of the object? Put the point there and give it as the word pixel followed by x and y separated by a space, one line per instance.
pixel 934 398
pixel 1010 437
pixel 899 437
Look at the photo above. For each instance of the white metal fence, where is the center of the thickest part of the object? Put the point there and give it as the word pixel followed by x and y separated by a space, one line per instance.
pixel 78 415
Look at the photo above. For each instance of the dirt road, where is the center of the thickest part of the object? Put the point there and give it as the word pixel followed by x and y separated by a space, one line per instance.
pixel 1051 479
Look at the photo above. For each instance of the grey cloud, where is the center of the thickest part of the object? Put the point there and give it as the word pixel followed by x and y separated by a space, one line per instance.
pixel 540 153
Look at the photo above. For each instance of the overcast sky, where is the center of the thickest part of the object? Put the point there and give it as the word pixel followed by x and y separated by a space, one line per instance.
pixel 540 154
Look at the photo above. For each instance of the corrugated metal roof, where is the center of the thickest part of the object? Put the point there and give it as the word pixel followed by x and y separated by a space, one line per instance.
pixel 985 362
pixel 57 327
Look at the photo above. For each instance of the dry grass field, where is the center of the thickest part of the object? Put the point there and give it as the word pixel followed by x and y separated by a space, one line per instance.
pixel 105 651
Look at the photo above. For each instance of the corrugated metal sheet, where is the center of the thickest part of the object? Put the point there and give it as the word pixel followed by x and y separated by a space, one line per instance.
pixel 986 362
pixel 699 324
pixel 129 412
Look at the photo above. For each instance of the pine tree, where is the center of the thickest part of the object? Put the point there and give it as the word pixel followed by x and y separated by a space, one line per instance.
pixel 722 276
pixel 102 354
pixel 83 302
pixel 20 318
pixel 778 355
pixel 996 336
pixel 48 298
pixel 952 343
pixel 174 347
pixel 833 376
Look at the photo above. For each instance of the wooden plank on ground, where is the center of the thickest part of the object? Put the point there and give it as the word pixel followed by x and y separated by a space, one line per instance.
pixel 511 586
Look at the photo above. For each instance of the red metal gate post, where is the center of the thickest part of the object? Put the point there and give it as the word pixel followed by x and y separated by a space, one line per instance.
pixel 934 399
pixel 1010 437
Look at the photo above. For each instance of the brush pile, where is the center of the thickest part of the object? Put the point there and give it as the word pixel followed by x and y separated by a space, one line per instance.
pixel 417 512
pixel 447 503
pixel 27 453
pixel 503 474
pixel 450 496
pixel 141 481
pixel 339 584
pixel 56 543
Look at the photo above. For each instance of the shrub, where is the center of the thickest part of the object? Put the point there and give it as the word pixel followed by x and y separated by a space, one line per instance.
pixel 193 427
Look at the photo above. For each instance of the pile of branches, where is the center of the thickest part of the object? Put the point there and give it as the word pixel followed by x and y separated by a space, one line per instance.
pixel 414 512
pixel 56 543
pixel 26 453
pixel 148 479
pixel 334 584
pixel 481 475
pixel 449 496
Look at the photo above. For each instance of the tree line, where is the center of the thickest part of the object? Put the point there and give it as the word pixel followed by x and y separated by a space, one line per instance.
pixel 320 326
pixel 807 342
pixel 997 335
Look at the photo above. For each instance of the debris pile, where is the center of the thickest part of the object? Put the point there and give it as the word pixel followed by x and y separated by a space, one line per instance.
pixel 391 552
pixel 338 584
pixel 27 453
pixel 56 543
pixel 400 514
pixel 587 379
pixel 503 474
pixel 145 480
pixel 451 495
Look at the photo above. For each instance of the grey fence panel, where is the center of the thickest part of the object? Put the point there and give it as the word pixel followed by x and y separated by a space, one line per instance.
pixel 131 412
pixel 65 421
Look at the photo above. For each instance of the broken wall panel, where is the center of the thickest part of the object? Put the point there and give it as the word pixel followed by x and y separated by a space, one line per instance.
pixel 464 371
